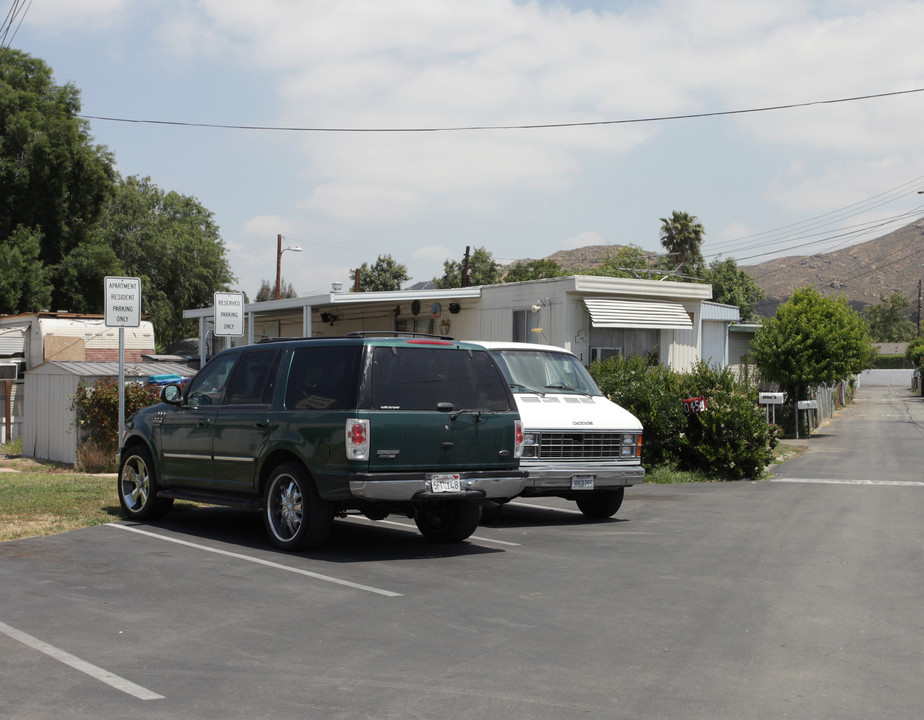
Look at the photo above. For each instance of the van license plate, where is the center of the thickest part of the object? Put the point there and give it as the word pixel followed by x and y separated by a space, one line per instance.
pixel 582 482
pixel 445 484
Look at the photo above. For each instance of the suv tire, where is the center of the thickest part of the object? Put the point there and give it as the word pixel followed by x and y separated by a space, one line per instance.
pixel 138 486
pixel 448 520
pixel 294 514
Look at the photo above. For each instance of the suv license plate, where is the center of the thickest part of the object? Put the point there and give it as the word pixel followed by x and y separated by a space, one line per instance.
pixel 582 482
pixel 445 483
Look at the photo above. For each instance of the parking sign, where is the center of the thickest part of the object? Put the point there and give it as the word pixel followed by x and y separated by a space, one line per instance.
pixel 123 301
pixel 229 314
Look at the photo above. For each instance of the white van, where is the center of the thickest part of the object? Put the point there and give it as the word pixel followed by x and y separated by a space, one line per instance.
pixel 578 445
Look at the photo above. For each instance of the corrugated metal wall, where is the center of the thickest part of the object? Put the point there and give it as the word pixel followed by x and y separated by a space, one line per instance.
pixel 714 343
pixel 49 434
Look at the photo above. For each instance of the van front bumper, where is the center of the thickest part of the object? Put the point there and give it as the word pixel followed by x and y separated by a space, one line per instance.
pixel 411 487
pixel 557 477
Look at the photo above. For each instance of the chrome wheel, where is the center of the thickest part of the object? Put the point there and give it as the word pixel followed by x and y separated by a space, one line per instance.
pixel 138 487
pixel 285 508
pixel 294 514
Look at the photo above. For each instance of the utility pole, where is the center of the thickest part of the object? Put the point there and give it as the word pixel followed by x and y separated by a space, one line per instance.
pixel 278 264
pixel 919 309
pixel 465 267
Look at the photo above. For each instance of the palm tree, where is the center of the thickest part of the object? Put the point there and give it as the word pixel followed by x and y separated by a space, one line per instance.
pixel 682 236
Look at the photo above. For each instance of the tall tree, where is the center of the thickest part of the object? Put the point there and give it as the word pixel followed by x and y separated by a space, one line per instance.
pixel 811 340
pixel 385 274
pixel 682 238
pixel 890 320
pixel 54 183
pixel 733 286
pixel 626 261
pixel 533 270
pixel 482 270
pixel 172 243
pixel 267 290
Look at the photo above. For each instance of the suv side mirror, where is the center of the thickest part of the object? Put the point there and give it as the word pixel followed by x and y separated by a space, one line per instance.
pixel 172 394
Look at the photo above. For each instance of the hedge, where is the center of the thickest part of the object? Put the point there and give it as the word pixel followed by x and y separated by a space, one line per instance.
pixel 730 439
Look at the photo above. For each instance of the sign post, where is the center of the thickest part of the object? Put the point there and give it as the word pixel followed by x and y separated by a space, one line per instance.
pixel 123 309
pixel 771 399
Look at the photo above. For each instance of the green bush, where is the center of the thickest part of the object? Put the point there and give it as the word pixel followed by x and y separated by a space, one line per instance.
pixel 96 406
pixel 730 440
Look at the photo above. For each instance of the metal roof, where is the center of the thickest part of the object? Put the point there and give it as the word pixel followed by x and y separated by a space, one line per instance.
pixel 110 369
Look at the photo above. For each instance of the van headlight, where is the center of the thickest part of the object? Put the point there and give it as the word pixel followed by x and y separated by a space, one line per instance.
pixel 530 445
pixel 631 445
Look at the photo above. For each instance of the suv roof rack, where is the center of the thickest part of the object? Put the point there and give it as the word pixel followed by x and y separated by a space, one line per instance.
pixel 395 333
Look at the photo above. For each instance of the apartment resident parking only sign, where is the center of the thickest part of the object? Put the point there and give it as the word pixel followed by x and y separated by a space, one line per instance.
pixel 123 302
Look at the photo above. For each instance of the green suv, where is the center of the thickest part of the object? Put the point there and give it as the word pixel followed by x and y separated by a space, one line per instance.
pixel 310 429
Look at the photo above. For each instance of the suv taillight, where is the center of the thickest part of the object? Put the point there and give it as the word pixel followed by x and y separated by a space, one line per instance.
pixel 518 439
pixel 357 439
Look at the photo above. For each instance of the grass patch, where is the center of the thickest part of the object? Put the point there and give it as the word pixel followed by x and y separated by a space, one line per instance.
pixel 45 503
pixel 664 475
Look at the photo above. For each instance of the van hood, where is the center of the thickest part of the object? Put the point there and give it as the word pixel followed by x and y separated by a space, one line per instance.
pixel 558 411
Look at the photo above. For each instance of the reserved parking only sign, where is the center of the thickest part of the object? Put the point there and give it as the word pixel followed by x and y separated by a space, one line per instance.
pixel 229 314
pixel 123 301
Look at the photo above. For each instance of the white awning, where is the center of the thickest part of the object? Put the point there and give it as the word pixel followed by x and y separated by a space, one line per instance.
pixel 607 312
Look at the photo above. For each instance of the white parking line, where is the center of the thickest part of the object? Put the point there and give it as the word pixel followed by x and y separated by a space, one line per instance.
pixel 830 481
pixel 413 528
pixel 97 673
pixel 258 561
pixel 516 503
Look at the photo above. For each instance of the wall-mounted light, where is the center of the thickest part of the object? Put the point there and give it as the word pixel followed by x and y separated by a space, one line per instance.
pixel 329 318
pixel 539 305
pixel 454 308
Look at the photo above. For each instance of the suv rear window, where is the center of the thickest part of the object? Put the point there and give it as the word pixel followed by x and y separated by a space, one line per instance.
pixel 413 379
pixel 323 378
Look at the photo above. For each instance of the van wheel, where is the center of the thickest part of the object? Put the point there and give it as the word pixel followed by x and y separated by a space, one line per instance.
pixel 601 505
pixel 448 520
pixel 294 514
pixel 138 487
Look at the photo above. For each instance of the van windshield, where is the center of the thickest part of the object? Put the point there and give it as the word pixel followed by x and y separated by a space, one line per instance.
pixel 421 379
pixel 543 372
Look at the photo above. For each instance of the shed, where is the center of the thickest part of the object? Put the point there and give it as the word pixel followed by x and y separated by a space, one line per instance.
pixel 49 432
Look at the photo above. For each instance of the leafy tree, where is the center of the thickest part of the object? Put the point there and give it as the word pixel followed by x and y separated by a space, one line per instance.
pixel 171 242
pixel 733 286
pixel 811 340
pixel 384 274
pixel 682 237
pixel 626 261
pixel 915 352
pixel 534 270
pixel 54 183
pixel 482 270
pixel 267 290
pixel 889 321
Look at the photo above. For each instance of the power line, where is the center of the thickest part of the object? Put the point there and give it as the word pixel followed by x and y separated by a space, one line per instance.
pixel 538 126
pixel 18 8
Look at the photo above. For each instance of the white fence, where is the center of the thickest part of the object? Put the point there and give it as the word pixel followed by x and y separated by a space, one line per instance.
pixel 886 378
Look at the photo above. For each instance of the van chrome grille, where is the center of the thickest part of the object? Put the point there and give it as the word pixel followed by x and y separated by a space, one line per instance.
pixel 577 445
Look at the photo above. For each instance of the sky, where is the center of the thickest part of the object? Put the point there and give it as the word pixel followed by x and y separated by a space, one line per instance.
pixel 416 128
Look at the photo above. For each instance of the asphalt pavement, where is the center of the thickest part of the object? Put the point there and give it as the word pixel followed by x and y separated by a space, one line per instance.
pixel 794 597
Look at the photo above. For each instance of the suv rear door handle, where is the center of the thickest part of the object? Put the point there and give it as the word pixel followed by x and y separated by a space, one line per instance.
pixel 203 423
